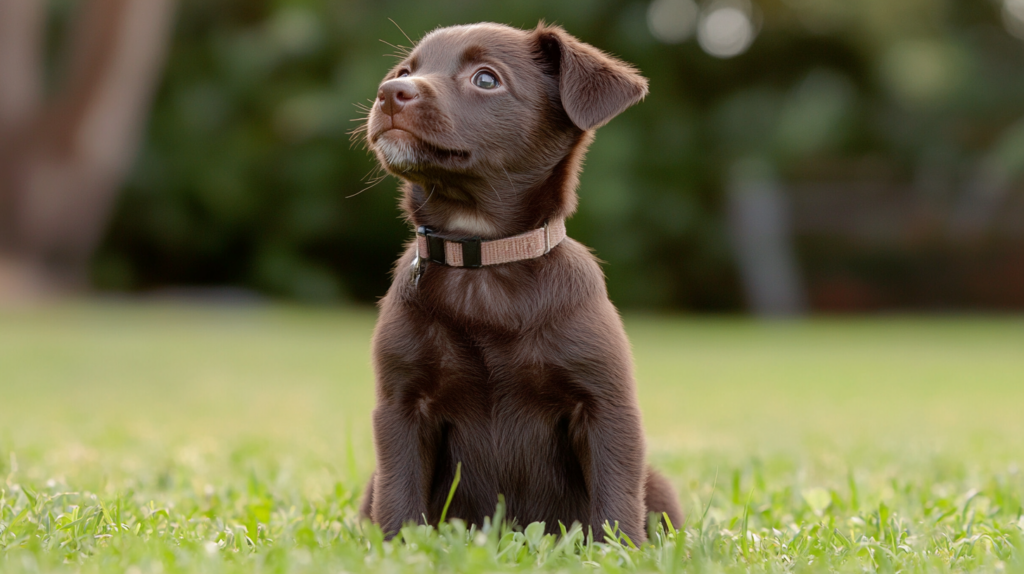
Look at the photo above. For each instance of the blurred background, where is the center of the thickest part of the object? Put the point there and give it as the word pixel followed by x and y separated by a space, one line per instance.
pixel 794 156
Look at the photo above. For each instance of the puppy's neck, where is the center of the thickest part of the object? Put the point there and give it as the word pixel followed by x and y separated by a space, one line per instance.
pixel 498 206
pixel 493 211
pixel 472 223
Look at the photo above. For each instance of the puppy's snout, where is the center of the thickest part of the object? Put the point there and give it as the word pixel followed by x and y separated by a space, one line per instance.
pixel 394 94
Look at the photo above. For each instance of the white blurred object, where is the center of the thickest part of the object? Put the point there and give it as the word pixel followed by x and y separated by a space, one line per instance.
pixel 1013 17
pixel 727 28
pixel 760 229
pixel 924 72
pixel 672 21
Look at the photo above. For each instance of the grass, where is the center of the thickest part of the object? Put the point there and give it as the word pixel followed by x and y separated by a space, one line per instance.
pixel 165 438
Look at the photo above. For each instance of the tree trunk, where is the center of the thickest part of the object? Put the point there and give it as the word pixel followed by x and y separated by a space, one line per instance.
pixel 63 160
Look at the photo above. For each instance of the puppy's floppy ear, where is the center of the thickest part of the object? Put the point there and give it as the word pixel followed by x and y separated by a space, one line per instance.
pixel 594 86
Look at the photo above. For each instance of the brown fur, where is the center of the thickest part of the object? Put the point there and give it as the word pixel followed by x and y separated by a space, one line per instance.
pixel 521 372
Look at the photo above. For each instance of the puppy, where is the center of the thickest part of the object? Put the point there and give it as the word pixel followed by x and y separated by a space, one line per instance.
pixel 497 346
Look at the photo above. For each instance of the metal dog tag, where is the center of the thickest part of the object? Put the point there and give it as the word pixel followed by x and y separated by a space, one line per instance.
pixel 416 270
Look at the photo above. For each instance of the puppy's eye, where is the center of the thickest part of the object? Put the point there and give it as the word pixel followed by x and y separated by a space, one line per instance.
pixel 402 73
pixel 485 79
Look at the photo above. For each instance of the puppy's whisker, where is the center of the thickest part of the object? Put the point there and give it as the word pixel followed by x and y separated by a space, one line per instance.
pixel 360 135
pixel 380 179
pixel 495 192
pixel 429 195
pixel 512 185
pixel 401 49
pixel 402 31
pixel 376 172
pixel 372 174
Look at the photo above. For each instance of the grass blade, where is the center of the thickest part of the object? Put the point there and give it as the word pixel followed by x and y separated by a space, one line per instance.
pixel 451 491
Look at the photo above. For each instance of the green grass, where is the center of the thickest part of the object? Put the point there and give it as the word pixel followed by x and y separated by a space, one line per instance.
pixel 166 439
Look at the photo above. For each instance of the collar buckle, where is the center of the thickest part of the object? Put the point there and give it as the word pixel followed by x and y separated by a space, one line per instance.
pixel 435 245
pixel 472 249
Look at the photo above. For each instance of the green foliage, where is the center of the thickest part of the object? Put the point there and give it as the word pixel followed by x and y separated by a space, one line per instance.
pixel 259 517
pixel 247 176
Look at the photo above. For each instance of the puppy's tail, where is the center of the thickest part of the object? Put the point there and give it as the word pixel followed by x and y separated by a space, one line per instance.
pixel 660 498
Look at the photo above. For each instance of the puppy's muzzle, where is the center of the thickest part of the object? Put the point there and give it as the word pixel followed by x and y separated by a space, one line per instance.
pixel 394 94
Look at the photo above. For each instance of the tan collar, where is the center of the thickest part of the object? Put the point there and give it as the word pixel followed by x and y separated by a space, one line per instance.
pixel 478 253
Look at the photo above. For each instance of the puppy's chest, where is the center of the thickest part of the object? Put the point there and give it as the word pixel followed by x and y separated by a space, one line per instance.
pixel 507 297
pixel 496 379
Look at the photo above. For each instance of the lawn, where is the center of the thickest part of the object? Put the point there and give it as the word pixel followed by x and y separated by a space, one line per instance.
pixel 169 438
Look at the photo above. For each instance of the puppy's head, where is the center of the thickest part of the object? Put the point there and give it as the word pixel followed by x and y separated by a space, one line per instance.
pixel 487 107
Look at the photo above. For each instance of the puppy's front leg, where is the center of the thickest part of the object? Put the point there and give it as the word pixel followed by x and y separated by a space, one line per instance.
pixel 406 445
pixel 611 448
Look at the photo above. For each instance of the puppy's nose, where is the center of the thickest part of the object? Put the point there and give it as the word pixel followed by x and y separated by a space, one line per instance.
pixel 394 94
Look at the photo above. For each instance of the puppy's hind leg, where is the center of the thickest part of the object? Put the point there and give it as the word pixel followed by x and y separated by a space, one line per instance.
pixel 660 498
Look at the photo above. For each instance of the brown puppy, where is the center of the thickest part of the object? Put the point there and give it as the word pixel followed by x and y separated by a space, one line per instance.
pixel 520 371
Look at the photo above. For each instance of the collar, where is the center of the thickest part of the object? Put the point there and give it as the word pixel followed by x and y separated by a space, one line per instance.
pixel 478 253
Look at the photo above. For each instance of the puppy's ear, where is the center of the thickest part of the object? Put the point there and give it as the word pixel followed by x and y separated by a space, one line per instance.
pixel 594 86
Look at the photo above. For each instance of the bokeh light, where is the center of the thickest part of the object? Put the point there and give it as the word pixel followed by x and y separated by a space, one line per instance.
pixel 1013 17
pixel 726 28
pixel 923 72
pixel 672 21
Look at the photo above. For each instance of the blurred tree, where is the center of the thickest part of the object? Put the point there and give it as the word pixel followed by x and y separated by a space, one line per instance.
pixel 63 158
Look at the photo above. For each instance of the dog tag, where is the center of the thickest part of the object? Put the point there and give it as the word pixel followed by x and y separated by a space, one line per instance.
pixel 416 270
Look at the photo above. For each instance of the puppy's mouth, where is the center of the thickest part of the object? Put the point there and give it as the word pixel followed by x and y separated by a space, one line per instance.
pixel 445 154
pixel 404 150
